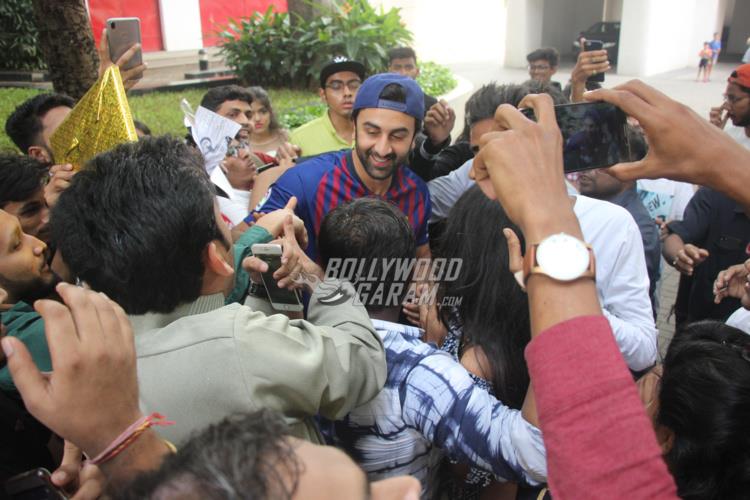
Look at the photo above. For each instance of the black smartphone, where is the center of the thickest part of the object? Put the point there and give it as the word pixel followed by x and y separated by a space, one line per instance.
pixel 594 135
pixel 35 484
pixel 281 299
pixel 594 45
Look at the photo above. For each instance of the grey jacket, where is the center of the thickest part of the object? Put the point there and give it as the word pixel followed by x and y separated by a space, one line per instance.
pixel 205 361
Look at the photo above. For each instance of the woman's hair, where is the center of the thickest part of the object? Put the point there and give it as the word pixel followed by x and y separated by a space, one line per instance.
pixel 704 399
pixel 494 310
pixel 259 94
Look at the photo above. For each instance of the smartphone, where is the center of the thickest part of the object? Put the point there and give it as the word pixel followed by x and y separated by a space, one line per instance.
pixel 594 135
pixel 594 45
pixel 35 484
pixel 122 33
pixel 281 299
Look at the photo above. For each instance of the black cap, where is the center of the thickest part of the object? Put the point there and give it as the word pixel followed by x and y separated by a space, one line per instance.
pixel 341 63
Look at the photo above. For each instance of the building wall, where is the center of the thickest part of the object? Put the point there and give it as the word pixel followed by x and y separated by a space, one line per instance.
pixel 740 28
pixel 449 32
pixel 661 36
pixel 564 19
pixel 524 30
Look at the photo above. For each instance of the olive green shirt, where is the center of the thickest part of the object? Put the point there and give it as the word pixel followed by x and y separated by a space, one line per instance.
pixel 318 136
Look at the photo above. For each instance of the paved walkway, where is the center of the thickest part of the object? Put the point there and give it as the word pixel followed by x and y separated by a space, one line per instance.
pixel 680 85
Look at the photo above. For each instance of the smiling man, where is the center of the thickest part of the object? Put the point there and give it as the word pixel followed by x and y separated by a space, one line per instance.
pixel 387 112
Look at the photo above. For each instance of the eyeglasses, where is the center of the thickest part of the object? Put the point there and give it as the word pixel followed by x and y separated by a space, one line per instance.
pixel 538 67
pixel 733 99
pixel 338 85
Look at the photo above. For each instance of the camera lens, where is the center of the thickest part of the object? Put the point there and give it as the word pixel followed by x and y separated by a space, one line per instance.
pixel 112 25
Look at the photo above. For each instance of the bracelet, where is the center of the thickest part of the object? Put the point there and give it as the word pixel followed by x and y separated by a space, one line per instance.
pixel 128 436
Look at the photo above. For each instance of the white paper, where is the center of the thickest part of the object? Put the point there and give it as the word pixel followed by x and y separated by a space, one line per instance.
pixel 213 133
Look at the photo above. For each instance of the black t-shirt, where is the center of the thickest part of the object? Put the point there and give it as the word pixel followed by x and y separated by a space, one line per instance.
pixel 715 222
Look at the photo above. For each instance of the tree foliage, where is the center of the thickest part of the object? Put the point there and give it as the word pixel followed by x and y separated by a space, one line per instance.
pixel 19 38
pixel 269 49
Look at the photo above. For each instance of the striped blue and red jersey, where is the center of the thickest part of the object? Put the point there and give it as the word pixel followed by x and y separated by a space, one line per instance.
pixel 326 181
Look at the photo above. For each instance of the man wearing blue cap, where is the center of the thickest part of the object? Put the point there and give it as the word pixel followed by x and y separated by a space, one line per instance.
pixel 387 112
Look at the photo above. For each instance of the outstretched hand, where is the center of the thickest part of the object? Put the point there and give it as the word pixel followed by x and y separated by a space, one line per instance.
pixel 682 145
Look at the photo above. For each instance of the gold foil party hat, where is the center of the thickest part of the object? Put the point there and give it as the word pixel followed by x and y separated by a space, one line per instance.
pixel 100 121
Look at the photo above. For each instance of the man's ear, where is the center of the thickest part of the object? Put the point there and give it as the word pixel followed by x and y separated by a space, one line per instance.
pixel 322 94
pixel 665 437
pixel 39 153
pixel 216 260
pixel 554 70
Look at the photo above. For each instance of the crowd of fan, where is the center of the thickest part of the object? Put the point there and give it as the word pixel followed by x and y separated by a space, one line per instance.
pixel 131 295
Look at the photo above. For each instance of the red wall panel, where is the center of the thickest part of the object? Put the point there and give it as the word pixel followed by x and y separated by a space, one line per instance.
pixel 146 10
pixel 216 13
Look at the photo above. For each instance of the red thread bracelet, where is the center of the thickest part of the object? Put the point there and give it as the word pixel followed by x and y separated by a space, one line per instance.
pixel 128 436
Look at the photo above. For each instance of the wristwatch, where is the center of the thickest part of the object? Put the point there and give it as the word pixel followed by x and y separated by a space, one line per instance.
pixel 560 256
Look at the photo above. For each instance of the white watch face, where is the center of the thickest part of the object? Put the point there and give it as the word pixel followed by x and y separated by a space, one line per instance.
pixel 563 257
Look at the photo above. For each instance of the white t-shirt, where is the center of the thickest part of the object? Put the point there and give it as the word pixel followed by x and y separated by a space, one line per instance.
pixel 740 319
pixel 621 277
pixel 665 198
pixel 236 207
pixel 738 134
pixel 622 282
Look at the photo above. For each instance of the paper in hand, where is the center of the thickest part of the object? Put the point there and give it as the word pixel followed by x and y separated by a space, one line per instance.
pixel 213 133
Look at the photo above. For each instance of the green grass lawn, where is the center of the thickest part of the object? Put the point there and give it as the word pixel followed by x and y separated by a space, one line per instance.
pixel 161 110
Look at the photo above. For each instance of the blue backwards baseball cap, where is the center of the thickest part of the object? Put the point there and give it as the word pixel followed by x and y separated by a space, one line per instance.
pixel 368 95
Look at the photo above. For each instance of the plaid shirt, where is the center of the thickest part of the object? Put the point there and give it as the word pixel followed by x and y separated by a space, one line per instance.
pixel 430 408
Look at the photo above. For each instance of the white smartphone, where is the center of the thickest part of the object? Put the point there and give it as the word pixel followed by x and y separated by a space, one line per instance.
pixel 281 299
pixel 122 33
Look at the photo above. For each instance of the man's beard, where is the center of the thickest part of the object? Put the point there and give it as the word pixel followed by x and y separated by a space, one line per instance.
pixel 372 171
pixel 32 290
pixel 741 122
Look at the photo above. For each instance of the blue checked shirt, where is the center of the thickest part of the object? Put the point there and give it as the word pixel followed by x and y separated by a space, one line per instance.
pixel 430 408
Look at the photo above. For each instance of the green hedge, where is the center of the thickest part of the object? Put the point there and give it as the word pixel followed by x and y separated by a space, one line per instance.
pixel 19 46
pixel 272 50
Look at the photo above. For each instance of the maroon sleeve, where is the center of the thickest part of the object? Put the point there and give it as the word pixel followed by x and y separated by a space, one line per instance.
pixel 599 441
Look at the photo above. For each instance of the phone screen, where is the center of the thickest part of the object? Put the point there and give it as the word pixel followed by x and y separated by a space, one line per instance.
pixel 275 294
pixel 594 135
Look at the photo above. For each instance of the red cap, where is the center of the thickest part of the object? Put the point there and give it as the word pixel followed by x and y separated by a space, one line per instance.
pixel 741 76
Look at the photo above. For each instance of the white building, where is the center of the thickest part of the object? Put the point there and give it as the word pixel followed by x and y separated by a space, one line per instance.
pixel 656 35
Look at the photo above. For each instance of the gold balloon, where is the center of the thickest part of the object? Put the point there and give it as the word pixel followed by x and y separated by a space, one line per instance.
pixel 100 121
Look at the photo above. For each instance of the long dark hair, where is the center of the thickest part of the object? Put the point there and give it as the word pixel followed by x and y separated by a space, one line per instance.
pixel 704 399
pixel 259 94
pixel 494 310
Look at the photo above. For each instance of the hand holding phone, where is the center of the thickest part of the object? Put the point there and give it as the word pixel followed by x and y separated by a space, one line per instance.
pixel 121 45
pixel 594 135
pixel 592 45
pixel 281 299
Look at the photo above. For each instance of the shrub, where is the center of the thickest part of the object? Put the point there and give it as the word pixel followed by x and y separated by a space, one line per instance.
pixel 266 49
pixel 269 50
pixel 434 79
pixel 19 43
